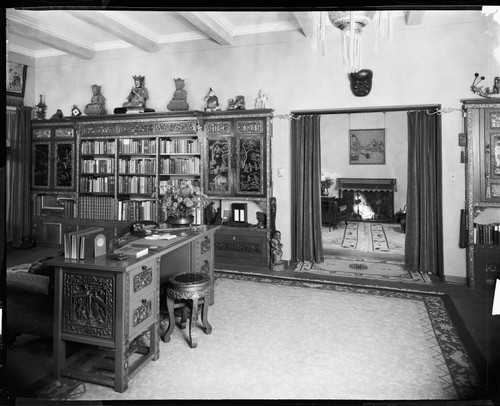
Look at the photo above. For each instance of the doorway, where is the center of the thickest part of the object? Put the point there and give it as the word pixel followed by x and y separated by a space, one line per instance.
pixel 348 115
pixel 369 184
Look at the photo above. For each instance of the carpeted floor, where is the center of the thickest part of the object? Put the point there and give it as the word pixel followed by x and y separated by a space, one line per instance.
pixel 385 240
pixel 304 340
pixel 361 268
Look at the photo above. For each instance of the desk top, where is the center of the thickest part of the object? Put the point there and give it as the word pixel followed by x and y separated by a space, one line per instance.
pixel 104 262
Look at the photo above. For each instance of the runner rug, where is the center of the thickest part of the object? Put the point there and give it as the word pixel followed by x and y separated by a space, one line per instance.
pixel 360 268
pixel 366 237
pixel 288 339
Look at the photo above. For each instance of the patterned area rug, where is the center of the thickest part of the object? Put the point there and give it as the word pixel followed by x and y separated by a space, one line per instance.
pixel 269 341
pixel 358 268
pixel 366 237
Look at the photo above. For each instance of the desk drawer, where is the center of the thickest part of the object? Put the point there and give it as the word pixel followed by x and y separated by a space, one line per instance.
pixel 142 280
pixel 142 313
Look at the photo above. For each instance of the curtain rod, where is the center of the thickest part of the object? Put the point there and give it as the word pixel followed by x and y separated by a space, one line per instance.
pixel 368 109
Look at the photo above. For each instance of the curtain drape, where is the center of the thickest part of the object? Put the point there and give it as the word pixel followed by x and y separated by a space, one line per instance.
pixel 18 198
pixel 307 244
pixel 423 218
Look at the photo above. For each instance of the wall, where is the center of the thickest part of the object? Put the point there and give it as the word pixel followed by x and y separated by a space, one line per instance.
pixel 432 63
pixel 335 149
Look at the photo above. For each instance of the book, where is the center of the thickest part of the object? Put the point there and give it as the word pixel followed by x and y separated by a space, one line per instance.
pixel 80 244
pixel 135 251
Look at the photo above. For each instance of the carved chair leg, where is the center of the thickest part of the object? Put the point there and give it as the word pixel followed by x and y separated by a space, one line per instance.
pixel 171 320
pixel 204 317
pixel 193 342
pixel 184 311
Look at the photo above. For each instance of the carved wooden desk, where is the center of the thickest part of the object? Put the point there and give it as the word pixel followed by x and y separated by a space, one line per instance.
pixel 110 306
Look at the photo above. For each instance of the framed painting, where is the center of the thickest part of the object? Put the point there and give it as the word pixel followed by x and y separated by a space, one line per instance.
pixel 367 147
pixel 16 81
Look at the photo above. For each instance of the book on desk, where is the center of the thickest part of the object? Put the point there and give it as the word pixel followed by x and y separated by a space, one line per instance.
pixel 80 244
pixel 135 251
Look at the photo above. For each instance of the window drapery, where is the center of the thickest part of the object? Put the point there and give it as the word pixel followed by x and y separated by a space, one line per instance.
pixel 423 217
pixel 17 190
pixel 307 243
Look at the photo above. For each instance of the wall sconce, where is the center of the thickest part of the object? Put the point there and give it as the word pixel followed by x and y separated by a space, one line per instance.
pixel 239 212
pixel 40 109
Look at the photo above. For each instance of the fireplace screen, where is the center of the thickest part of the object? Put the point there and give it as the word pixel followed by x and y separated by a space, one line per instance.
pixel 368 198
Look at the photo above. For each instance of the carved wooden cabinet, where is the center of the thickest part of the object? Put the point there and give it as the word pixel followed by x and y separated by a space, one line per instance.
pixel 237 159
pixel 482 121
pixel 53 151
pixel 112 308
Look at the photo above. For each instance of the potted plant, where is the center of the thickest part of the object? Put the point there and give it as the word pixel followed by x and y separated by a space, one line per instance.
pixel 326 183
pixel 180 202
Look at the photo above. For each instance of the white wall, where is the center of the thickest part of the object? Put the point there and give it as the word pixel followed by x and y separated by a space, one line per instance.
pixel 335 149
pixel 425 64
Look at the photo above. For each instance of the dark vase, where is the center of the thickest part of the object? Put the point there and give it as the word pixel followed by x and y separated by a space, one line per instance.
pixel 324 191
pixel 180 221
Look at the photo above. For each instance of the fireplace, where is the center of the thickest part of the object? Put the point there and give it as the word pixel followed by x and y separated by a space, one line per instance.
pixel 368 199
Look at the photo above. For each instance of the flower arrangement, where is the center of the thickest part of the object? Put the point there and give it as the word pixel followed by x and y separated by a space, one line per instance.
pixel 181 201
pixel 326 183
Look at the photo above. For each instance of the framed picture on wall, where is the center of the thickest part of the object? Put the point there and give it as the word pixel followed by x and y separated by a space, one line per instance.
pixel 367 147
pixel 16 81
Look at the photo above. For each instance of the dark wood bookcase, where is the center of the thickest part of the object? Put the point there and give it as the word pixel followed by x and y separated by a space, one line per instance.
pixel 482 188
pixel 111 170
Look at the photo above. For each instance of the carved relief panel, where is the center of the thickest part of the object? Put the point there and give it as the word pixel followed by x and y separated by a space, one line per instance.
pixel 88 305
pixel 236 157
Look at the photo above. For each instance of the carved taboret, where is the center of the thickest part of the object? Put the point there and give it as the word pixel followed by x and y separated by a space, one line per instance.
pixel 183 290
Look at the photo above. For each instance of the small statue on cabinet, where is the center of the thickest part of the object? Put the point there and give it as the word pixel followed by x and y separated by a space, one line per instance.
pixel 261 219
pixel 96 105
pixel 58 115
pixel 209 213
pixel 277 252
pixel 138 94
pixel 178 102
pixel 261 102
pixel 237 104
pixel 211 101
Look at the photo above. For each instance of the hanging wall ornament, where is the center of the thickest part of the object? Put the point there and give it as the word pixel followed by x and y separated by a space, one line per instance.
pixel 361 82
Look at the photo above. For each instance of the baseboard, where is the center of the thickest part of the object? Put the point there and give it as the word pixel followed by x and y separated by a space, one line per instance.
pixel 457 280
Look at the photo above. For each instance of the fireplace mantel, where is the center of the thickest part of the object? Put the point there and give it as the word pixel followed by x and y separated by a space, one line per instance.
pixel 365 184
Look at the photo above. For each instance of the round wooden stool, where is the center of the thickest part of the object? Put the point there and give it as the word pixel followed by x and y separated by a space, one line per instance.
pixel 183 290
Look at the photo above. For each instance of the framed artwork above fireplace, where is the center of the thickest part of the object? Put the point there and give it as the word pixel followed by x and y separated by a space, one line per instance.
pixel 367 146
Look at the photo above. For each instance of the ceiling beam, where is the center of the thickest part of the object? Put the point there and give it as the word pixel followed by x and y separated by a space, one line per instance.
pixel 209 25
pixel 120 27
pixel 32 31
pixel 306 21
pixel 414 17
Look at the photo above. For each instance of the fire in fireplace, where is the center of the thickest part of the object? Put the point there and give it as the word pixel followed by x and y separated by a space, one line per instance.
pixel 369 199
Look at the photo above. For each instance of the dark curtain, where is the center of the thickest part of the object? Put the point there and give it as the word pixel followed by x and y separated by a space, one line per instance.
pixel 423 218
pixel 307 244
pixel 18 204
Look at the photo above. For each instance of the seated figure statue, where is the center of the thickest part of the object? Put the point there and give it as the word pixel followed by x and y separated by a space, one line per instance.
pixel 96 105
pixel 138 94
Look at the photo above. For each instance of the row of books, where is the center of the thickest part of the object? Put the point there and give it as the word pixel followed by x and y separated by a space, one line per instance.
pixel 179 146
pixel 135 210
pixel 488 234
pixel 98 165
pixel 180 165
pixel 102 184
pixel 98 147
pixel 136 184
pixel 137 165
pixel 80 244
pixel 96 207
pixel 133 146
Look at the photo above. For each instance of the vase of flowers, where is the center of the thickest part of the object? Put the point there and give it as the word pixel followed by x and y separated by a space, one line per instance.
pixel 180 202
pixel 326 183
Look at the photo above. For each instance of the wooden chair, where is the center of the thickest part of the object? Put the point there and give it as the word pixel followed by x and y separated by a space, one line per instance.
pixel 187 291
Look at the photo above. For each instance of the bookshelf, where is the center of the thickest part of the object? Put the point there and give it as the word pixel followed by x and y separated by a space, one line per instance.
pixel 482 187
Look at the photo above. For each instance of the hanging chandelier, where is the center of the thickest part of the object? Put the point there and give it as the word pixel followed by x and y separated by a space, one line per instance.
pixel 351 25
